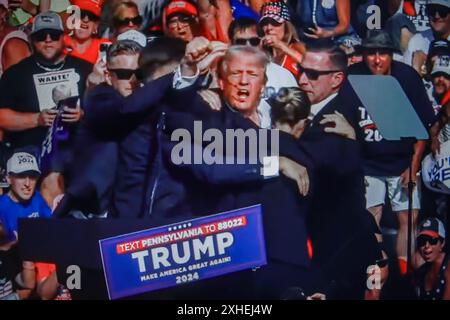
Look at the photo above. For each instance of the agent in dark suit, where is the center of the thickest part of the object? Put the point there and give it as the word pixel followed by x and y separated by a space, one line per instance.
pixel 96 144
pixel 341 230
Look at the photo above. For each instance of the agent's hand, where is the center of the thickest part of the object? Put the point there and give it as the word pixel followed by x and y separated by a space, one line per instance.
pixel 296 172
pixel 340 125
pixel 212 99
pixel 46 117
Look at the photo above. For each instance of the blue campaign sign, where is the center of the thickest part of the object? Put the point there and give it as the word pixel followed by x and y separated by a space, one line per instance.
pixel 180 253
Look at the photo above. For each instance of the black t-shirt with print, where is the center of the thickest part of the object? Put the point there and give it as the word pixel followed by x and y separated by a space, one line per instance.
pixel 30 86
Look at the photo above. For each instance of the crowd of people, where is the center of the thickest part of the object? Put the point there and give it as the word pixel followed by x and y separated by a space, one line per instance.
pixel 92 91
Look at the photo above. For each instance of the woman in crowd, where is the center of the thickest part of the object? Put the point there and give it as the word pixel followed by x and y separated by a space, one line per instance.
pixel 83 42
pixel 280 38
pixel 126 17
pixel 433 277
pixel 325 19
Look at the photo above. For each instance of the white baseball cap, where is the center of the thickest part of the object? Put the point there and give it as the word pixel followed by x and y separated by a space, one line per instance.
pixel 47 21
pixel 133 35
pixel 22 162
pixel 441 65
pixel 4 3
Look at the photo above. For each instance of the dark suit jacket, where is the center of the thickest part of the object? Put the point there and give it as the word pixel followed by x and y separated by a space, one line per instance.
pixel 234 186
pixel 340 227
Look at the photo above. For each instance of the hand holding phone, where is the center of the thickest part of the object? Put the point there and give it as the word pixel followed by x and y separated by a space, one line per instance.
pixel 103 50
pixel 71 111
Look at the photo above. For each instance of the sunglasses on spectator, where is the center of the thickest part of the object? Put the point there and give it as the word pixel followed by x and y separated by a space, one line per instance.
pixel 182 19
pixel 89 15
pixel 422 240
pixel 313 74
pixel 431 11
pixel 126 74
pixel 244 41
pixel 40 36
pixel 137 21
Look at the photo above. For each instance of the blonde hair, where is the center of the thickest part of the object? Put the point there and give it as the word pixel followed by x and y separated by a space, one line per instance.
pixel 290 34
pixel 118 6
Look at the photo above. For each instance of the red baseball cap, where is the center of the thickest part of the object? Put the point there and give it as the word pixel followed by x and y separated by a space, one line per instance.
pixel 180 7
pixel 94 6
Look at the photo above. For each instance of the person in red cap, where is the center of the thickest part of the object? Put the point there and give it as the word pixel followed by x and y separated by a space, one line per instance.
pixel 185 19
pixel 181 20
pixel 433 277
pixel 83 43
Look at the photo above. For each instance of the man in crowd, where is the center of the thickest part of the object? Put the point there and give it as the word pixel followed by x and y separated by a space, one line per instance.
pixel 387 163
pixel 26 102
pixel 438 12
pixel 440 75
pixel 22 200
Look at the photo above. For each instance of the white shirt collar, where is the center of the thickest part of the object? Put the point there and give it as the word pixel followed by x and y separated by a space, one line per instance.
pixel 264 114
pixel 316 108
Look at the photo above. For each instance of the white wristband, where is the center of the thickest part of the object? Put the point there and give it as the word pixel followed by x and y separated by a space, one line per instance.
pixel 271 167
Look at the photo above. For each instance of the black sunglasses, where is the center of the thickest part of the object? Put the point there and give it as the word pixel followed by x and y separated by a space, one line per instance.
pixel 40 36
pixel 89 15
pixel 314 74
pixel 244 41
pixel 422 240
pixel 431 11
pixel 126 74
pixel 137 21
pixel 180 19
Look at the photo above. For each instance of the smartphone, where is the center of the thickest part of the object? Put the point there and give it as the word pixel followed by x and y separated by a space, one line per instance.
pixel 70 102
pixel 103 50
